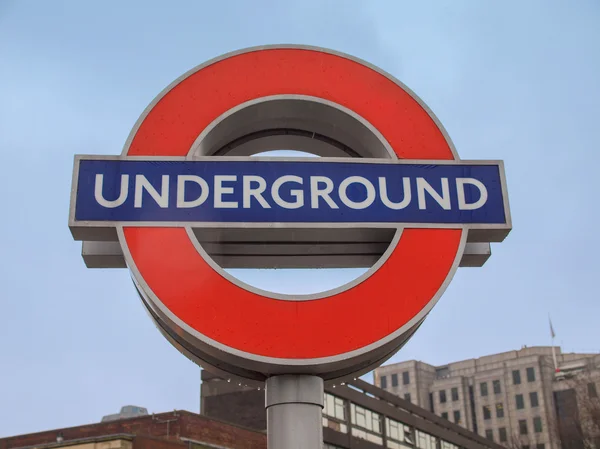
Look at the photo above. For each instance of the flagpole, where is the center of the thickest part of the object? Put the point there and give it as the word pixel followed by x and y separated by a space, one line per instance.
pixel 556 370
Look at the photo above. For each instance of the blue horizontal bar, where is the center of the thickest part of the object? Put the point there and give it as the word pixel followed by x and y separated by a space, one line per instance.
pixel 261 191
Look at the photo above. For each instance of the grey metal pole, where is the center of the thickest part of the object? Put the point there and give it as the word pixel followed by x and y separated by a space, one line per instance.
pixel 294 412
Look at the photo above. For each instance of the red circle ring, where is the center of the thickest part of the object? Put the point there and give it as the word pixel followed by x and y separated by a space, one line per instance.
pixel 169 269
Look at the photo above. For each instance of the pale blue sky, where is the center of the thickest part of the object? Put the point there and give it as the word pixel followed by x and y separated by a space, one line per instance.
pixel 509 80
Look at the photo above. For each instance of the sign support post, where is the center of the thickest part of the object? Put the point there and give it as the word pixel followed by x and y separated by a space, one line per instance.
pixel 294 406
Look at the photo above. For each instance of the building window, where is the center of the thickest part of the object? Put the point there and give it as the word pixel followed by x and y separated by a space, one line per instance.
pixel 383 382
pixel 540 446
pixel 457 416
pixel 592 393
pixel 489 434
pixel 499 410
pixel 445 415
pixel 473 411
pixel 454 392
pixel 523 427
pixel 446 445
pixel 487 414
pixel 442 396
pixel 394 380
pixel 516 377
pixel 407 396
pixel 520 402
pixel 537 424
pixel 533 398
pixel 497 388
pixel 406 378
pixel 502 434
pixel 442 373
pixel 530 374
pixel 397 432
pixel 424 440
pixel 483 388
pixel 366 420
pixel 334 407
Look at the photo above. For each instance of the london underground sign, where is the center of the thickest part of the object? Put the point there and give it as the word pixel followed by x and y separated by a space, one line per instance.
pixel 185 196
pixel 221 191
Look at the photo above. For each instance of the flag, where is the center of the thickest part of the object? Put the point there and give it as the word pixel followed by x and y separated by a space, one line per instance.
pixel 552 334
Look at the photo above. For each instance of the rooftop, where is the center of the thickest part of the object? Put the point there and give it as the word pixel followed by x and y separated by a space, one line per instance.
pixel 525 351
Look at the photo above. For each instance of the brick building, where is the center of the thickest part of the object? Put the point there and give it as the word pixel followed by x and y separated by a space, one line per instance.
pixel 173 430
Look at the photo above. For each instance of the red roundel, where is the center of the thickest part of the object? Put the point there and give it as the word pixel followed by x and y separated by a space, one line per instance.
pixel 256 326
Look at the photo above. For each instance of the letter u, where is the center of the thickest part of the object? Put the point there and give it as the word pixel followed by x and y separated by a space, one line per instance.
pixel 98 188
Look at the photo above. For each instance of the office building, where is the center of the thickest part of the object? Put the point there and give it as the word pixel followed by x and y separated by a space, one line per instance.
pixel 515 398
pixel 356 415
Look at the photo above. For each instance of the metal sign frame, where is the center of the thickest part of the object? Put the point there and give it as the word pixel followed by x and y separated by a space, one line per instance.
pixel 259 99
